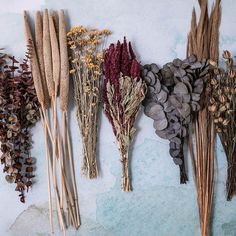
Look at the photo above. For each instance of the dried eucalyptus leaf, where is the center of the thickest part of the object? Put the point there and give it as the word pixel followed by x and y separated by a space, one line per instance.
pixel 195 97
pixel 192 59
pixel 185 110
pixel 178 161
pixel 153 110
pixel 176 140
pixel 154 68
pixel 162 96
pixel 174 152
pixel 196 65
pixel 180 88
pixel 177 62
pixel 160 124
pixel 157 86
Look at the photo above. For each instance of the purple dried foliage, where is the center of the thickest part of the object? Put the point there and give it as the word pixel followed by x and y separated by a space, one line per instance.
pixel 118 60
pixel 18 112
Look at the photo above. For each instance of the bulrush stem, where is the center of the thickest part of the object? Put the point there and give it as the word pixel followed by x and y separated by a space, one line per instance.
pixel 125 181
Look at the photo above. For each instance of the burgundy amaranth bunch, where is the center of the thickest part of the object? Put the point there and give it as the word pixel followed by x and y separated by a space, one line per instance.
pixel 123 93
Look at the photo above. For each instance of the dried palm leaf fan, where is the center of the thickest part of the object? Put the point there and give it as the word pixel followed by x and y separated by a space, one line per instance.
pixel 203 41
pixel 47 65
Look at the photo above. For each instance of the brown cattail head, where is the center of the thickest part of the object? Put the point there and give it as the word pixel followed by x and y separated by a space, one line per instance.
pixel 55 21
pixel 39 49
pixel 55 54
pixel 64 85
pixel 47 55
pixel 34 62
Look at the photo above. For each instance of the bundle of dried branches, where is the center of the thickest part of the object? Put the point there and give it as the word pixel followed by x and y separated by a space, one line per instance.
pixel 18 113
pixel 49 62
pixel 86 59
pixel 123 93
pixel 203 41
pixel 173 95
pixel 223 108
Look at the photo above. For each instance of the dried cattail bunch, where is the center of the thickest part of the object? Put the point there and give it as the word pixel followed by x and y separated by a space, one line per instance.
pixel 18 113
pixel 222 106
pixel 123 93
pixel 86 58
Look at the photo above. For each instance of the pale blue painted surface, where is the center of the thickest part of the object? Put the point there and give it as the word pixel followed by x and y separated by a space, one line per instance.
pixel 158 206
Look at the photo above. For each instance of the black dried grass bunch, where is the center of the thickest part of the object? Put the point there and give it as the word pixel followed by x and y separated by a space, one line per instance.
pixel 18 113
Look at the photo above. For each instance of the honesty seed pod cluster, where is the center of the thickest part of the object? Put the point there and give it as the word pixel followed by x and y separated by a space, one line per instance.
pixel 173 94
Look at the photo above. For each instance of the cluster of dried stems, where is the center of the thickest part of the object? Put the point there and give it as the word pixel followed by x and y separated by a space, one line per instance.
pixel 223 108
pixel 123 93
pixel 50 70
pixel 203 41
pixel 86 59
pixel 19 111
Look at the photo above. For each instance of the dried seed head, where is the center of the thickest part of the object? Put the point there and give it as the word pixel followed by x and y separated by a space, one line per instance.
pixel 213 81
pixel 222 108
pixel 222 99
pixel 226 122
pixel 226 54
pixel 219 92
pixel 212 108
pixel 47 55
pixel 212 100
pixel 227 89
pixel 64 85
pixel 231 73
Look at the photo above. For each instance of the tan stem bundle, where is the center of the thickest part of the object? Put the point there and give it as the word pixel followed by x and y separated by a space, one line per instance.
pixel 49 62
pixel 203 41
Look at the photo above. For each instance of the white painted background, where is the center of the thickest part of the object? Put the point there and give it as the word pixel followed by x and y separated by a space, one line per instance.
pixel 158 205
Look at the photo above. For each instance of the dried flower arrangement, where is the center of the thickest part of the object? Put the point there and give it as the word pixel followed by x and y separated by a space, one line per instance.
pixel 173 94
pixel 86 59
pixel 203 41
pixel 50 69
pixel 222 106
pixel 123 93
pixel 18 113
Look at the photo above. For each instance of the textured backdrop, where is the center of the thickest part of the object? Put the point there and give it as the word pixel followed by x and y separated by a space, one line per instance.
pixel 159 205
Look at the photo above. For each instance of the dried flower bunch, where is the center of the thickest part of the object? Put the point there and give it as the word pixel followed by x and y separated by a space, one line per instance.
pixel 18 113
pixel 222 106
pixel 173 94
pixel 123 93
pixel 86 59
pixel 203 41
pixel 50 69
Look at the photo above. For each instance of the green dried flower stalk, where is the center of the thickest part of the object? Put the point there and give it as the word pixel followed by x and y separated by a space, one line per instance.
pixel 86 59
